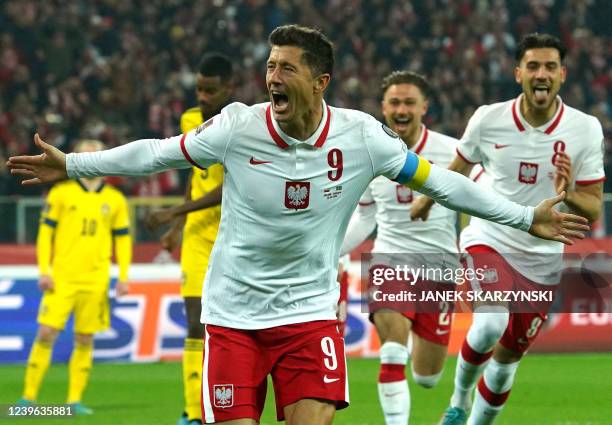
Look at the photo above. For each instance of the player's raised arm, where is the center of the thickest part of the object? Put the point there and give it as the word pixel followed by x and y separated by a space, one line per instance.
pixel 457 192
pixel 201 147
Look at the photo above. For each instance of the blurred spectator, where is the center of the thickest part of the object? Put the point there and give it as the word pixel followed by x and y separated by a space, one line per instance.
pixel 117 70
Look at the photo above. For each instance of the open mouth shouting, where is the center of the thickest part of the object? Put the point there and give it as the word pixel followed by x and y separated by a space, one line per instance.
pixel 280 101
pixel 401 124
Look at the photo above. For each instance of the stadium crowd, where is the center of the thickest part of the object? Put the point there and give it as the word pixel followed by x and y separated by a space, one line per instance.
pixel 119 70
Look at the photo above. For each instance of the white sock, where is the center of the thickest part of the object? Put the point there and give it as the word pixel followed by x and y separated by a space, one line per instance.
pixel 493 391
pixel 393 392
pixel 487 328
pixel 466 375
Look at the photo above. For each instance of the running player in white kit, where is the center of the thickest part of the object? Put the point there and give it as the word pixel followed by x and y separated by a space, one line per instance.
pixel 295 169
pixel 385 205
pixel 532 147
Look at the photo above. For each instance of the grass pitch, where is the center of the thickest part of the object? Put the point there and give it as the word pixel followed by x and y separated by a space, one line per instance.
pixel 571 389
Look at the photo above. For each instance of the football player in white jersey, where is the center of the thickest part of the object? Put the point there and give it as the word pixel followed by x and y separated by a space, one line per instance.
pixel 385 205
pixel 532 147
pixel 295 169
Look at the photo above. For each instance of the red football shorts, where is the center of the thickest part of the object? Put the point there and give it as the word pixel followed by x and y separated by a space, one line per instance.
pixel 306 360
pixel 523 328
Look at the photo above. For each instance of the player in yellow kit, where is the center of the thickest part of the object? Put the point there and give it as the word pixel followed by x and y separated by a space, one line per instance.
pixel 214 88
pixel 80 221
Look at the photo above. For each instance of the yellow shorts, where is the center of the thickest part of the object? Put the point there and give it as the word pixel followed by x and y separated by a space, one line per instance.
pixel 91 310
pixel 194 262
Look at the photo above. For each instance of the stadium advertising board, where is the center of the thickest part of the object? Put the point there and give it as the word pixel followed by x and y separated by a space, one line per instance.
pixel 149 323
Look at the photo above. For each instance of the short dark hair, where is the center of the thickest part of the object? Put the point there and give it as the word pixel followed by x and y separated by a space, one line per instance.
pixel 214 64
pixel 535 41
pixel 407 77
pixel 318 49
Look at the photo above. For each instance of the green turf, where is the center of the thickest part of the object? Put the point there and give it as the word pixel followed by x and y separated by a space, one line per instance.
pixel 549 390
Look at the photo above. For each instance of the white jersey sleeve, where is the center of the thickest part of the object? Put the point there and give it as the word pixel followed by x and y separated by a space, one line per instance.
pixel 387 151
pixel 201 147
pixel 590 169
pixel 457 192
pixel 208 143
pixel 362 224
pixel 469 146
pixel 138 158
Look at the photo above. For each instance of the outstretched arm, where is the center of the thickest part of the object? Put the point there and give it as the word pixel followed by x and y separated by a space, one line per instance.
pixel 457 192
pixel 137 158
pixel 422 204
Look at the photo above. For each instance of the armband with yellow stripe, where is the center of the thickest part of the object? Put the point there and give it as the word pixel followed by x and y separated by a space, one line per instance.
pixel 415 171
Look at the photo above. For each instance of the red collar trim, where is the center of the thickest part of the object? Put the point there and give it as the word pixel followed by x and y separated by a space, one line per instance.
pixel 517 120
pixel 279 140
pixel 423 140
pixel 555 123
pixel 550 128
pixel 275 136
pixel 323 136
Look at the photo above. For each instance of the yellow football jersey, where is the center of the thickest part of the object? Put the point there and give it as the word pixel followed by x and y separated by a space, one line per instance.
pixel 203 223
pixel 76 234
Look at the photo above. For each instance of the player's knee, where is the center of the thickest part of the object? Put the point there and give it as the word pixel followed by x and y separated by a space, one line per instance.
pixel 47 334
pixel 83 339
pixel 426 381
pixel 492 323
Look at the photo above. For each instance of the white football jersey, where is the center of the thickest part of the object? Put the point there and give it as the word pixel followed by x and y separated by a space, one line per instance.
pixel 519 163
pixel 274 262
pixel 397 233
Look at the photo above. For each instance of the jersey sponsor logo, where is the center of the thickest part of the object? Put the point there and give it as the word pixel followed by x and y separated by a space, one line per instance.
pixel 202 126
pixel 403 194
pixel 500 146
pixel 528 172
pixel 297 195
pixel 329 380
pixel 390 132
pixel 224 395
pixel 254 161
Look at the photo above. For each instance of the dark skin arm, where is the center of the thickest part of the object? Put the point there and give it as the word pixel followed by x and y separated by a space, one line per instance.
pixel 177 215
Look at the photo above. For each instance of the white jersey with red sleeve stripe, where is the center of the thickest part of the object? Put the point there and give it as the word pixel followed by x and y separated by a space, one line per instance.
pixel 286 205
pixel 397 233
pixel 519 163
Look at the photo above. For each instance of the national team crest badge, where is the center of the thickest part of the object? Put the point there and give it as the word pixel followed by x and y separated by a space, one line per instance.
pixel 489 276
pixel 528 173
pixel 297 195
pixel 224 395
pixel 403 194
